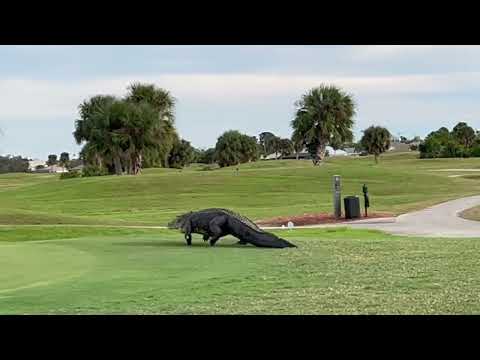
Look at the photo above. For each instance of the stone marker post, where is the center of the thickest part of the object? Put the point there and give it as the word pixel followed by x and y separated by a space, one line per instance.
pixel 337 202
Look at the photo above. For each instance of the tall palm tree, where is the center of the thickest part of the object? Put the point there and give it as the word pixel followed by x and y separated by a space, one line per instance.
pixel 324 116
pixel 92 130
pixel 163 131
pixel 118 134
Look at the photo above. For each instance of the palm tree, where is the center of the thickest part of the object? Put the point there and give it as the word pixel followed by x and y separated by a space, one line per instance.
pixel 298 143
pixel 118 134
pixel 160 99
pixel 164 130
pixel 286 147
pixel 376 140
pixel 91 129
pixel 324 115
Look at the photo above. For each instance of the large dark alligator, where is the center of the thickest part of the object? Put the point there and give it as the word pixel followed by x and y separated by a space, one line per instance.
pixel 216 223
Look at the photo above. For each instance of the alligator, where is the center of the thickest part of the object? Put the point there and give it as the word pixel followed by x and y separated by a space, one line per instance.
pixel 216 223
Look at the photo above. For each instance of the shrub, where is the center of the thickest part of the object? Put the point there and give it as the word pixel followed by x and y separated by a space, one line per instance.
pixel 94 171
pixel 475 151
pixel 70 175
pixel 234 148
pixel 209 167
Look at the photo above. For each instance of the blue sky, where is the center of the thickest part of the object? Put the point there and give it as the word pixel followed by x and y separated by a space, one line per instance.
pixel 411 90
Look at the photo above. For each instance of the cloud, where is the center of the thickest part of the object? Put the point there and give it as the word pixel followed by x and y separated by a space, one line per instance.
pixel 24 98
pixel 391 50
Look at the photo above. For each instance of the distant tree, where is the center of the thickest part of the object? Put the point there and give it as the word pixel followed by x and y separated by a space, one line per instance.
pixel 64 159
pixel 234 148
pixel 196 154
pixel 207 156
pixel 249 149
pixel 266 140
pixel 13 164
pixel 181 154
pixel 298 142
pixel 464 134
pixel 324 116
pixel 443 133
pixel 443 143
pixel 52 160
pixel 286 147
pixel 376 140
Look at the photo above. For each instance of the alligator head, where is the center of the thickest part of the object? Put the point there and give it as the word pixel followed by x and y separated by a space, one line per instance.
pixel 179 221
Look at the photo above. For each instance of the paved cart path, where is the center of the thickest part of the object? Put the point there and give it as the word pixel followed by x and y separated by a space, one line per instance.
pixel 441 220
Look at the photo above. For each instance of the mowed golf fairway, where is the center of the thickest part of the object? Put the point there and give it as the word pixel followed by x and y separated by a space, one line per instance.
pixel 55 258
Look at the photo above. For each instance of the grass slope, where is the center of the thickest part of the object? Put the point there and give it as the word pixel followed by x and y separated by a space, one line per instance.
pixel 400 183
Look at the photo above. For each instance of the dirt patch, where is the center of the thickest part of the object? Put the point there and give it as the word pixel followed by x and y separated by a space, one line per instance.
pixel 314 219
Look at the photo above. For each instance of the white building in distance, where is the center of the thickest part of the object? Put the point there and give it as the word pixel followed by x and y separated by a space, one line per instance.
pixel 32 164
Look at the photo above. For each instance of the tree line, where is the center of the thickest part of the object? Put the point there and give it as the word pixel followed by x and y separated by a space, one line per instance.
pixel 324 117
pixel 10 164
pixel 462 141
pixel 123 135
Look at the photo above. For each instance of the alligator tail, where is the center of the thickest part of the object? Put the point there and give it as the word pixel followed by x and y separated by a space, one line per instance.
pixel 257 238
pixel 271 241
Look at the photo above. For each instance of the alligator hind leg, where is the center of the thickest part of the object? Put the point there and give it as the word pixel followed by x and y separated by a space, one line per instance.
pixel 241 242
pixel 215 227
pixel 206 237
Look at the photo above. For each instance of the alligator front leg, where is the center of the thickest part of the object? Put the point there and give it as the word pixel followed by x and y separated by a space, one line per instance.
pixel 206 237
pixel 188 233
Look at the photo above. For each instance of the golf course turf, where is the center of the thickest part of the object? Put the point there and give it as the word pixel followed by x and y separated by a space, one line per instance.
pixel 53 265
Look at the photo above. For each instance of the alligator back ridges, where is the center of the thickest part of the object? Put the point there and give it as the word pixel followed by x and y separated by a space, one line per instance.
pixel 243 219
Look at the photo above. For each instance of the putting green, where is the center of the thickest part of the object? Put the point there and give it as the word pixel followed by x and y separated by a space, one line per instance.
pixel 333 271
pixel 41 264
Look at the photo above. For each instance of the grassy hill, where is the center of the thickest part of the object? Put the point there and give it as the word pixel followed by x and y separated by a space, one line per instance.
pixel 80 269
pixel 399 183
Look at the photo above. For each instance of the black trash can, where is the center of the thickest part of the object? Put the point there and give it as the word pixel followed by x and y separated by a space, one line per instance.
pixel 352 207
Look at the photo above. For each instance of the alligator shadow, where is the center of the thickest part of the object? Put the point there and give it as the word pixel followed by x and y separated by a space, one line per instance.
pixel 173 243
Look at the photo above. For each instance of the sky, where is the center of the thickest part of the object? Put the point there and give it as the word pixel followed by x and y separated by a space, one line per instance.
pixel 410 89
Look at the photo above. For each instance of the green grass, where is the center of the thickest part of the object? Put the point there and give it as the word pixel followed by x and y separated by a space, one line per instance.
pixel 65 265
pixel 79 270
pixel 400 183
pixel 471 214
